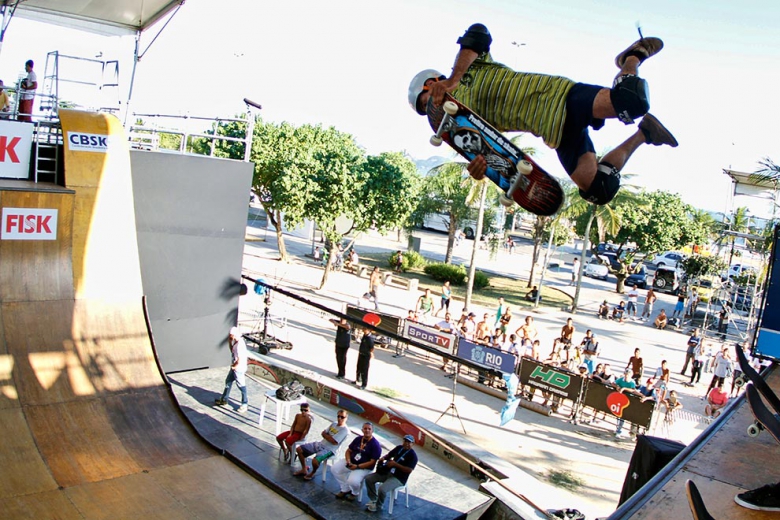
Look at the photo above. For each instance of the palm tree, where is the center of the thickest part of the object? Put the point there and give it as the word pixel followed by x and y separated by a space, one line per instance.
pixel 606 219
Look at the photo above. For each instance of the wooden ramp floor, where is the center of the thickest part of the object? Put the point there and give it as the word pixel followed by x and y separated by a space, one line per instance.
pixel 728 463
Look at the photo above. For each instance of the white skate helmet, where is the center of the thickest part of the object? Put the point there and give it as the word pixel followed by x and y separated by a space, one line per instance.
pixel 416 87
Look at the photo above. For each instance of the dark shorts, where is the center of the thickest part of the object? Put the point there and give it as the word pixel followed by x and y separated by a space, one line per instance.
pixel 579 116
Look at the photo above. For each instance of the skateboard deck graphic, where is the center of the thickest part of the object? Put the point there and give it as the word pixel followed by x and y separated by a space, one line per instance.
pixel 470 136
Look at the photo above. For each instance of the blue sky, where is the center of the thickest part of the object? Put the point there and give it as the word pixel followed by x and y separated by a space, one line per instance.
pixel 348 63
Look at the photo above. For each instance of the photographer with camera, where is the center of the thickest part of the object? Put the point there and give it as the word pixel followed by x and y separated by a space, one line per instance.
pixel 392 471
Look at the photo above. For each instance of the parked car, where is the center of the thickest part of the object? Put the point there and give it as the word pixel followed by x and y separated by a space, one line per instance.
pixel 666 279
pixel 596 269
pixel 705 287
pixel 638 278
pixel 669 258
pixel 738 270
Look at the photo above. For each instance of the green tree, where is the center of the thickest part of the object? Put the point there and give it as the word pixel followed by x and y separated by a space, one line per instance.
pixel 696 266
pixel 445 190
pixel 607 220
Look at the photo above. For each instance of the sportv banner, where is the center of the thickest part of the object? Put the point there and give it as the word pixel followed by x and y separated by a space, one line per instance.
pixel 15 149
pixel 487 357
pixel 384 322
pixel 556 380
pixel 430 336
pixel 606 398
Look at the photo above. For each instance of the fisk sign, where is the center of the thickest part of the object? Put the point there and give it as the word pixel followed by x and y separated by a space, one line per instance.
pixel 83 142
pixel 29 224
pixel 15 149
pixel 440 340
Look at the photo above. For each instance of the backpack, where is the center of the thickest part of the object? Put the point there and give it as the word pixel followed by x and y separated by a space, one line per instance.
pixel 290 391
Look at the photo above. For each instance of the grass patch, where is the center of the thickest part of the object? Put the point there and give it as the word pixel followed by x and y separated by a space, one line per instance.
pixel 386 392
pixel 565 479
pixel 513 291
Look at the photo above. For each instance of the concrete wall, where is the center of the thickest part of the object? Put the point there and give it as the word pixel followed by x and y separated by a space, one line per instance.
pixel 191 216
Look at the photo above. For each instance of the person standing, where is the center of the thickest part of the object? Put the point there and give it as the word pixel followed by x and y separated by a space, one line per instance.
pixel 693 343
pixel 342 345
pixel 357 464
pixel 399 261
pixel 590 349
pixel 575 270
pixel 374 281
pixel 446 295
pixel 633 297
pixel 650 299
pixel 392 471
pixel 722 368
pixel 636 365
pixel 425 306
pixel 27 94
pixel 499 312
pixel 625 385
pixel 679 308
pixel 237 373
pixel 364 358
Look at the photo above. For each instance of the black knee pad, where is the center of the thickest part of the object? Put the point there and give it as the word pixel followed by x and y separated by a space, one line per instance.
pixel 604 186
pixel 630 97
pixel 476 38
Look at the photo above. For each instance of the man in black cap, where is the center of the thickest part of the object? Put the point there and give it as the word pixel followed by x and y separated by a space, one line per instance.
pixel 392 471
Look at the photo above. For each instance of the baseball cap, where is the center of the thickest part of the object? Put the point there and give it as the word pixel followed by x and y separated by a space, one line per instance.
pixel 408 438
pixel 583 365
pixel 234 332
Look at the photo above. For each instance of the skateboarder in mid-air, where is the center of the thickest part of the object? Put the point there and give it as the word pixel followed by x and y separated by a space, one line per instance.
pixel 551 107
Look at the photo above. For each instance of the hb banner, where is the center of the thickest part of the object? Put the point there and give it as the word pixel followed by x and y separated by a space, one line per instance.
pixel 558 381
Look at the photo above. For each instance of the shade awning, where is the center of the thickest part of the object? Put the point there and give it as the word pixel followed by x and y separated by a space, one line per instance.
pixel 107 17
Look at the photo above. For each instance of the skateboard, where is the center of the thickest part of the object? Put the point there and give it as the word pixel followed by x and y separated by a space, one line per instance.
pixel 521 179
pixel 698 509
pixel 749 374
pixel 768 420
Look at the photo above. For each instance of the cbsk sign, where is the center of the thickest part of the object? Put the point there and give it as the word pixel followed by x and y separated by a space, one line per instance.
pixel 29 224
pixel 83 142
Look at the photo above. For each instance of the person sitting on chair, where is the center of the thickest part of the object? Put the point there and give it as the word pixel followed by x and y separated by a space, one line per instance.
pixel 392 471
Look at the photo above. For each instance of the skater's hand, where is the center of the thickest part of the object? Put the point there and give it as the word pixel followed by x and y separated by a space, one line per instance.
pixel 477 167
pixel 439 88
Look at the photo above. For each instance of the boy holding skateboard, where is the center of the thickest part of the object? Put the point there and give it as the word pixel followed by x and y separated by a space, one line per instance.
pixel 551 107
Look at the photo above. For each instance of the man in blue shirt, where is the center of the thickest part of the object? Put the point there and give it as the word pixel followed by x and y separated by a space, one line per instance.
pixel 392 471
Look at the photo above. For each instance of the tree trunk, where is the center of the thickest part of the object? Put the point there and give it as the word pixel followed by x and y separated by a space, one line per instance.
pixel 585 243
pixel 538 230
pixel 328 265
pixel 473 264
pixel 276 221
pixel 450 240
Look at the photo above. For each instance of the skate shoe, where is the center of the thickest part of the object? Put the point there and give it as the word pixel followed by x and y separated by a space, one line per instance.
pixel 655 133
pixel 642 49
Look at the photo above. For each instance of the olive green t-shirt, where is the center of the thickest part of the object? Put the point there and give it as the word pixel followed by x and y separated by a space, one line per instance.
pixel 515 101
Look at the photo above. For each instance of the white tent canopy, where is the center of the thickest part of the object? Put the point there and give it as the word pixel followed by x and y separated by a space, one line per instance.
pixel 107 17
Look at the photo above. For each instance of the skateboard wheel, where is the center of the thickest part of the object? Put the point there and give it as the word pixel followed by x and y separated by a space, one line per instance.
pixel 753 430
pixel 451 108
pixel 505 201
pixel 525 167
pixel 435 140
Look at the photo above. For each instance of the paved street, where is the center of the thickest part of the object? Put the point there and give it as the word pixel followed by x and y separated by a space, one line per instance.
pixel 534 443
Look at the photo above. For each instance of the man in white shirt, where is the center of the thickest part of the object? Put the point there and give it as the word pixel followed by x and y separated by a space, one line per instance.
pixel 239 358
pixel 27 93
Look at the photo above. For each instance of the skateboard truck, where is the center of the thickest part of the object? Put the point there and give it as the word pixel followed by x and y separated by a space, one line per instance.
pixel 450 109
